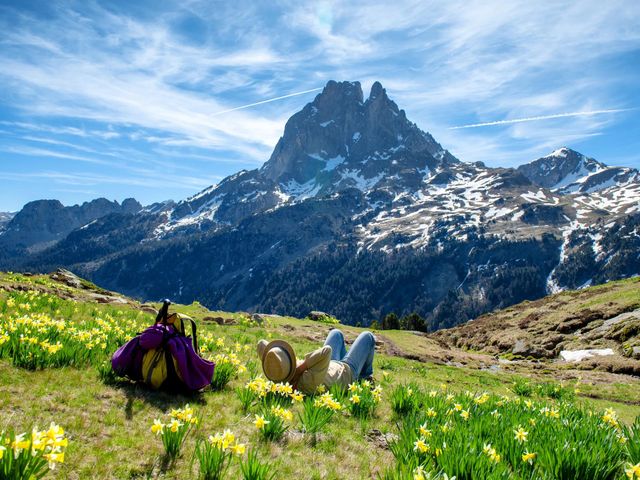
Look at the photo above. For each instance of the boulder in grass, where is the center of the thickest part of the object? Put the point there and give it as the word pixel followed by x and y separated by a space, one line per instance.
pixel 317 316
pixel 259 318
pixel 219 320
pixel 149 308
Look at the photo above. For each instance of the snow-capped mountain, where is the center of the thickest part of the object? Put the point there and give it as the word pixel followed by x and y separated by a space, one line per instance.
pixel 359 212
pixel 338 141
pixel 567 171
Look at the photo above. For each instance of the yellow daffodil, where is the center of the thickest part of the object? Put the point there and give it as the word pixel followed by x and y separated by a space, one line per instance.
pixel 465 414
pixel 632 471
pixel 260 422
pixel 355 398
pixel 157 427
pixel 228 437
pixel 54 458
pixel 418 473
pixel 421 446
pixel 610 417
pixel 491 453
pixel 521 435
pixel 238 448
pixel 528 457
pixel 424 431
pixel 20 443
pixel 175 425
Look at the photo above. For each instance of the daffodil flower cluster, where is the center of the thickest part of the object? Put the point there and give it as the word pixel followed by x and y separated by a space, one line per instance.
pixel 228 365
pixel 272 423
pixel 283 413
pixel 176 430
pixel 363 398
pixel 490 452
pixel 227 441
pixel 326 400
pixel 39 330
pixel 611 418
pixel 214 454
pixel 270 393
pixel 232 358
pixel 25 455
pixel 508 437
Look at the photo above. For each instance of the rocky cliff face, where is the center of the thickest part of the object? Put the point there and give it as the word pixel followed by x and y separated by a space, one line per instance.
pixel 337 142
pixel 357 212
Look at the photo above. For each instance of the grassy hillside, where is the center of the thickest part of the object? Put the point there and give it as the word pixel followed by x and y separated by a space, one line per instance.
pixel 600 317
pixel 476 400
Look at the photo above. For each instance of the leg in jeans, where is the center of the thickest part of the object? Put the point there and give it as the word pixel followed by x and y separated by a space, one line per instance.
pixel 335 340
pixel 360 356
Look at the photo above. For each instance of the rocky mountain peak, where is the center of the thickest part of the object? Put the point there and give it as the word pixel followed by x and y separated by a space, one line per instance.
pixel 560 169
pixel 339 131
pixel 377 90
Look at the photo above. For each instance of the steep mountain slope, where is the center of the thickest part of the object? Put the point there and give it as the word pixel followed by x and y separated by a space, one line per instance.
pixel 5 217
pixel 360 213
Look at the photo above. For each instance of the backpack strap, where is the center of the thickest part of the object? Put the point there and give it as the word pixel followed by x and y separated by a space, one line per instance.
pixel 195 336
pixel 163 313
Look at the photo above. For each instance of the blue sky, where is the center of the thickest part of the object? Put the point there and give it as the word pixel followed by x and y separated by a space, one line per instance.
pixel 138 98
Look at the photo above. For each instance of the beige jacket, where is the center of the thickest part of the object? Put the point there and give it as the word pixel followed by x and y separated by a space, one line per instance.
pixel 321 370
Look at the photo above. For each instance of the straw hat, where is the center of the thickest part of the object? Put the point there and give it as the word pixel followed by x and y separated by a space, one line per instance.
pixel 278 360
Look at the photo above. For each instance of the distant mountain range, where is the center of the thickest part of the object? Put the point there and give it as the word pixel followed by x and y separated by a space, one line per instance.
pixel 357 212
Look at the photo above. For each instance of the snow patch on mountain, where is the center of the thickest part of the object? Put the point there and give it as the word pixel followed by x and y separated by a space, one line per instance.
pixel 332 163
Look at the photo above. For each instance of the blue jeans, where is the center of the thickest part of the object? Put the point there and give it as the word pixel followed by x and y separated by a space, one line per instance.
pixel 360 356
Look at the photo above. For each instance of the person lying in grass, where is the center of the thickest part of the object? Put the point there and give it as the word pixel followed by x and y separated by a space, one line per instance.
pixel 329 365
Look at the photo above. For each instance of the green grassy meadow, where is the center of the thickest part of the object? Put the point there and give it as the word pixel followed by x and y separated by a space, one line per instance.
pixel 108 422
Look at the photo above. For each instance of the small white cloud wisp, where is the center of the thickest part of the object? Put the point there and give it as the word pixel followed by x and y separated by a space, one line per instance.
pixel 266 101
pixel 541 117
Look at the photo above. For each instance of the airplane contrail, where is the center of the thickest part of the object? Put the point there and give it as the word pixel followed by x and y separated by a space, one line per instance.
pixel 266 101
pixel 541 117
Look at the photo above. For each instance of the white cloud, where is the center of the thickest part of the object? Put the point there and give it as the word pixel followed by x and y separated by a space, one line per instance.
pixel 446 63
pixel 541 117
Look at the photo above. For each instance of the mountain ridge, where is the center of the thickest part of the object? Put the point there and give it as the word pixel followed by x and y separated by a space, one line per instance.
pixel 391 204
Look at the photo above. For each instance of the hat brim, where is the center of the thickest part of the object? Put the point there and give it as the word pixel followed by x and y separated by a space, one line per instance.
pixel 287 348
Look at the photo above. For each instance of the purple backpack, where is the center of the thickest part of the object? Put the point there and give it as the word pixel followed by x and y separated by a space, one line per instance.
pixel 163 356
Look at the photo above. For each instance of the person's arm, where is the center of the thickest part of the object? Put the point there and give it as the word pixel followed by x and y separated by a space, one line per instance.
pixel 300 368
pixel 313 362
